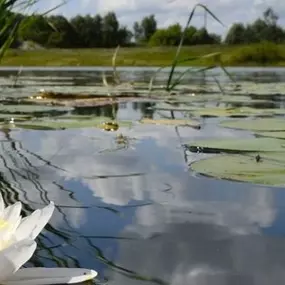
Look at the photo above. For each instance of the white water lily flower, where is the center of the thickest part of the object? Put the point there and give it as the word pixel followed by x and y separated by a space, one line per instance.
pixel 17 246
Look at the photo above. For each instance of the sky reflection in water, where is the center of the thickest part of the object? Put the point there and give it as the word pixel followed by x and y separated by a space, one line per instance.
pixel 136 214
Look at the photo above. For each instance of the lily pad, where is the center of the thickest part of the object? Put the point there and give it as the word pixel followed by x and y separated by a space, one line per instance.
pixel 28 109
pixel 173 122
pixel 221 111
pixel 237 112
pixel 170 107
pixel 15 117
pixel 243 168
pixel 57 124
pixel 238 145
pixel 261 124
pixel 279 135
pixel 245 100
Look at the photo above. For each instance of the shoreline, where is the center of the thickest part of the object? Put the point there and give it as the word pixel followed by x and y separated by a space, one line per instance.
pixel 231 56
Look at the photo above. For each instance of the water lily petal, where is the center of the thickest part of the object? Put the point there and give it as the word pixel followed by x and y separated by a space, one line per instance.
pixel 40 276
pixel 10 220
pixel 12 213
pixel 2 206
pixel 14 256
pixel 32 225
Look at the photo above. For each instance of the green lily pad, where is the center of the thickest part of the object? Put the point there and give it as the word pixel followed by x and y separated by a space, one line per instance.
pixel 170 107
pixel 243 168
pixel 173 122
pixel 278 135
pixel 261 124
pixel 16 117
pixel 236 112
pixel 57 124
pixel 23 109
pixel 214 97
pixel 238 145
pixel 221 111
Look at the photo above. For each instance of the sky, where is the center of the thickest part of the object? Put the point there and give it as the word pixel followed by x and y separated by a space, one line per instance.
pixel 170 11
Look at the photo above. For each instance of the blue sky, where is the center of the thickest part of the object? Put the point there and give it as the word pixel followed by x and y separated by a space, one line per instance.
pixel 170 11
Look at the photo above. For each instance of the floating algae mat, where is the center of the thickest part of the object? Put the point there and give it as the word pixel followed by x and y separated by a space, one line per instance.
pixel 259 124
pixel 269 170
pixel 59 123
pixel 238 145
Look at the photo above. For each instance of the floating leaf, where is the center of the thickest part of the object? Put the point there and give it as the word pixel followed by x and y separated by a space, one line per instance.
pixel 16 117
pixel 228 112
pixel 55 124
pixel 173 122
pixel 238 145
pixel 244 168
pixel 169 107
pixel 22 109
pixel 236 112
pixel 220 111
pixel 265 124
pixel 279 135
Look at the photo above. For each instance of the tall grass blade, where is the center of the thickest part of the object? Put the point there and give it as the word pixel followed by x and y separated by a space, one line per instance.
pixel 115 74
pixel 150 85
pixel 188 71
pixel 174 63
pixel 9 40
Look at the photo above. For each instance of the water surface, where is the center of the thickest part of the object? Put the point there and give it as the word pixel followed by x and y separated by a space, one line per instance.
pixel 134 212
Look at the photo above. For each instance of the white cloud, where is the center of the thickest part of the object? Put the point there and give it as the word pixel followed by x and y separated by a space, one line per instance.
pixel 171 11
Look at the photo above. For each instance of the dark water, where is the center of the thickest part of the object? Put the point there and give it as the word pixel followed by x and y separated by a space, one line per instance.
pixel 134 212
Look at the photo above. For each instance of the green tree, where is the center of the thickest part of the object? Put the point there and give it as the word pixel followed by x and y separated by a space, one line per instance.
pixel 262 29
pixel 35 28
pixel 110 30
pixel 202 37
pixel 189 33
pixel 124 36
pixel 89 30
pixel 236 34
pixel 159 38
pixel 138 32
pixel 64 35
pixel 149 27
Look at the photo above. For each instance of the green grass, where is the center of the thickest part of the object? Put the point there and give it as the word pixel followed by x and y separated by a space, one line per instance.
pixel 250 55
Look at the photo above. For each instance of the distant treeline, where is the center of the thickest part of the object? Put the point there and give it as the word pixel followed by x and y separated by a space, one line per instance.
pixel 106 31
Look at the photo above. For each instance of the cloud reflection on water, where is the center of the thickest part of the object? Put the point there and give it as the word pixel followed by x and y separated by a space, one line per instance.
pixel 208 231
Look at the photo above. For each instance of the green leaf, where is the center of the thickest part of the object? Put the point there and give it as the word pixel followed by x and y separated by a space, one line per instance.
pixel 23 109
pixel 60 123
pixel 270 170
pixel 279 135
pixel 172 122
pixel 260 124
pixel 235 112
pixel 238 145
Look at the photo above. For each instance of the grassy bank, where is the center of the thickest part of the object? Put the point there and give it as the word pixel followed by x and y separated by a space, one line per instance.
pixel 249 55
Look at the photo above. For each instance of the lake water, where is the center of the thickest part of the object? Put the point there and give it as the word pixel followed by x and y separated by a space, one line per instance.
pixel 133 211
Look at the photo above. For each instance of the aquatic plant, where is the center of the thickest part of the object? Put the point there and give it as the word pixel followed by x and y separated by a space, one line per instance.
pixel 215 57
pixel 17 245
pixel 10 21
